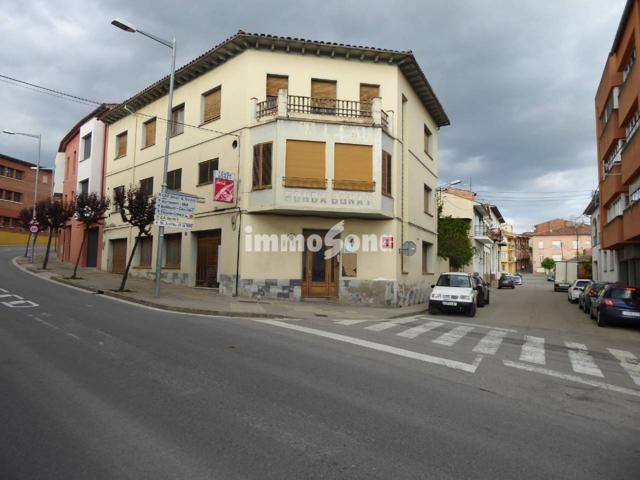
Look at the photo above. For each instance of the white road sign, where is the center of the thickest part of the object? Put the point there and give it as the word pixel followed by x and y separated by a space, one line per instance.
pixel 174 209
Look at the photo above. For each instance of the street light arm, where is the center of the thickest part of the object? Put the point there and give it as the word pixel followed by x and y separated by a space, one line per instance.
pixel 166 43
pixel 32 135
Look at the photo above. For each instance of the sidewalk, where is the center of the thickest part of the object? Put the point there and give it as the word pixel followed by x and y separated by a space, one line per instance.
pixel 207 301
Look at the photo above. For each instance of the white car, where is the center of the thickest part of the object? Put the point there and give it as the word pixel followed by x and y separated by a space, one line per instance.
pixel 576 289
pixel 453 292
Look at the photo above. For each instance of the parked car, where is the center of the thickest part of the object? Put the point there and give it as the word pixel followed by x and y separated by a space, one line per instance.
pixel 506 281
pixel 517 279
pixel 576 289
pixel 454 291
pixel 590 292
pixel 551 277
pixel 617 304
pixel 483 290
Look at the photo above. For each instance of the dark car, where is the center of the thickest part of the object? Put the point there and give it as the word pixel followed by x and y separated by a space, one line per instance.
pixel 483 291
pixel 506 281
pixel 590 292
pixel 617 305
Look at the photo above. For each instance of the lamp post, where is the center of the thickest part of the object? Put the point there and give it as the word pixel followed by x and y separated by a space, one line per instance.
pixel 128 27
pixel 35 189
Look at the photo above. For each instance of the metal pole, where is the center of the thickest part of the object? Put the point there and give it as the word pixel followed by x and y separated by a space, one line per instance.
pixel 159 246
pixel 35 194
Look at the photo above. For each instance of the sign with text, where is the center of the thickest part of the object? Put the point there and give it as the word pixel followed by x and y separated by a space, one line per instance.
pixel 175 209
pixel 223 186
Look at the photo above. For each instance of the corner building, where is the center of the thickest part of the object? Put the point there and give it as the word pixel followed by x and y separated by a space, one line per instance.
pixel 315 133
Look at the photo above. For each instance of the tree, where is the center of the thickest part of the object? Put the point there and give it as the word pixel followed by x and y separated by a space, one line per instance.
pixel 24 219
pixel 454 241
pixel 57 213
pixel 548 263
pixel 90 210
pixel 137 208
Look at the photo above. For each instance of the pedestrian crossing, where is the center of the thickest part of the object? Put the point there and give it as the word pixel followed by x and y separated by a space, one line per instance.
pixel 532 350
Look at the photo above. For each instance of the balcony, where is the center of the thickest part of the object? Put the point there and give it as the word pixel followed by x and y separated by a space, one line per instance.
pixel 611 134
pixel 629 92
pixel 482 234
pixel 611 186
pixel 613 234
pixel 631 222
pixel 631 159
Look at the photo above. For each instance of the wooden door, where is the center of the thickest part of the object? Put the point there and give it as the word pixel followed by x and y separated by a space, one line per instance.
pixel 118 255
pixel 319 274
pixel 207 258
pixel 92 248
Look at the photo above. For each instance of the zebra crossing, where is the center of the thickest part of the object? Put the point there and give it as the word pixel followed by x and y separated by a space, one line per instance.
pixel 532 349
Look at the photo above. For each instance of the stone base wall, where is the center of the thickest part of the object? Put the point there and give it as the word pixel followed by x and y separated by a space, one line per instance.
pixel 168 276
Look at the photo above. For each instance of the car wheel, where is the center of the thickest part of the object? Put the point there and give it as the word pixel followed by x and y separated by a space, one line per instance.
pixel 433 310
pixel 488 298
pixel 480 302
pixel 472 311
pixel 591 315
pixel 600 321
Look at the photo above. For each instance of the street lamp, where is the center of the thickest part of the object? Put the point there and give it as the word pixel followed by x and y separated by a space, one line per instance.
pixel 128 27
pixel 35 190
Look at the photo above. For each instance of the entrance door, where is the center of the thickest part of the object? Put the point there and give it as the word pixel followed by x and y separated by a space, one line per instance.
pixel 92 247
pixel 319 275
pixel 207 258
pixel 118 255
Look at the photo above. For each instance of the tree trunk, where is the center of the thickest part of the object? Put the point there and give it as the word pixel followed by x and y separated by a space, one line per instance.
pixel 126 270
pixel 46 254
pixel 33 246
pixel 75 269
pixel 26 248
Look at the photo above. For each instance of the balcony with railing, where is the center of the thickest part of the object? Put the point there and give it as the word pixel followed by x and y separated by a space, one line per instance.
pixel 631 222
pixel 612 185
pixel 611 134
pixel 631 159
pixel 613 234
pixel 629 92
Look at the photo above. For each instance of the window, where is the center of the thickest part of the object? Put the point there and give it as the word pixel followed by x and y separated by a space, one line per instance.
pixel 84 187
pixel 20 175
pixel 149 133
pixel 323 94
pixel 629 65
pixel 609 107
pixel 541 258
pixel 426 253
pixel 121 145
pixel 427 199
pixel 541 244
pixel 211 101
pixel 557 258
pixel 146 185
pixel 632 125
pixel 635 195
pixel 367 94
pixel 575 245
pixel 305 164
pixel 557 244
pixel 10 172
pixel 173 245
pixel 205 171
pixel 177 120
pixel 262 166
pixel 146 249
pixel 276 83
pixel 174 179
pixel 616 209
pixel 605 263
pixel 117 191
pixel 17 197
pixel 353 167
pixel 386 173
pixel 45 178
pixel 427 140
pixel 86 146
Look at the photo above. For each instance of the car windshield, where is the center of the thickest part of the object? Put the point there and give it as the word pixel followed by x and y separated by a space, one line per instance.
pixel 581 283
pixel 506 278
pixel 625 293
pixel 453 281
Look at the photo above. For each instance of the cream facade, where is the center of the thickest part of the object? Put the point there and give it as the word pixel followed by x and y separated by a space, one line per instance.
pixel 306 156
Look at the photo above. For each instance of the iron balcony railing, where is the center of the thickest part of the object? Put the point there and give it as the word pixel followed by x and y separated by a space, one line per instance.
pixel 480 231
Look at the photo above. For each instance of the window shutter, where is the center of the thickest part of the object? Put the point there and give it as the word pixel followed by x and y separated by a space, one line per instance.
pixel 212 104
pixel 150 133
pixel 353 167
pixel 386 173
pixel 275 83
pixel 255 183
pixel 265 179
pixel 323 89
pixel 305 164
pixel 122 144
pixel 367 94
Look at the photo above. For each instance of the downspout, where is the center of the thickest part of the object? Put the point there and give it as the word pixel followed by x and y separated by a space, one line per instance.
pixel 239 222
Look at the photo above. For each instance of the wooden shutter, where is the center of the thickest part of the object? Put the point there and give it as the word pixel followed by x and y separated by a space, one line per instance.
pixel 353 167
pixel 265 177
pixel 275 83
pixel 150 133
pixel 173 247
pixel 305 164
pixel 212 102
pixel 121 141
pixel 255 178
pixel 386 173
pixel 367 94
pixel 323 89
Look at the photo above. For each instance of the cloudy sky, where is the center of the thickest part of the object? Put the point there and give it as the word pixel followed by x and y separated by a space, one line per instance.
pixel 516 78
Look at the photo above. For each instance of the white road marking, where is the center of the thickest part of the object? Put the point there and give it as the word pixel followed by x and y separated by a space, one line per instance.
pixel 533 350
pixel 629 362
pixel 45 323
pixel 419 330
pixel 571 378
pixel 475 325
pixel 491 342
pixel 350 322
pixel 380 326
pixel 465 367
pixel 453 336
pixel 581 360
pixel 73 336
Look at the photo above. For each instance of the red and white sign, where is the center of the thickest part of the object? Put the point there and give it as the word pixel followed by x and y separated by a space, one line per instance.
pixel 387 242
pixel 34 228
pixel 224 186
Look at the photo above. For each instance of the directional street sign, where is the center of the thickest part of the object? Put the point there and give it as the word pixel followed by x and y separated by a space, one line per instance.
pixel 175 209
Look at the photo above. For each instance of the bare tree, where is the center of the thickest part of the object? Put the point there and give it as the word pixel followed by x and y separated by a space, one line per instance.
pixel 90 210
pixel 58 213
pixel 137 208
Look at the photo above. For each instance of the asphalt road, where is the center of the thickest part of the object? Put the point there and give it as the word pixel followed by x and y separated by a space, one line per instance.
pixel 93 388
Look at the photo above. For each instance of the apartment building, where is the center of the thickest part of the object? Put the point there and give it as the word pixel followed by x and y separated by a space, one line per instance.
pixel 17 185
pixel 79 168
pixel 604 266
pixel 617 120
pixel 560 240
pixel 485 229
pixel 514 251
pixel 314 135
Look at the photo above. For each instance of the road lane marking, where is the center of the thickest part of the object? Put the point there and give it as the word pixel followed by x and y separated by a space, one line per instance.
pixel 629 362
pixel 475 325
pixel 45 323
pixel 491 342
pixel 73 336
pixel 453 336
pixel 445 362
pixel 380 326
pixel 419 330
pixel 571 378
pixel 581 360
pixel 533 350
pixel 350 322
